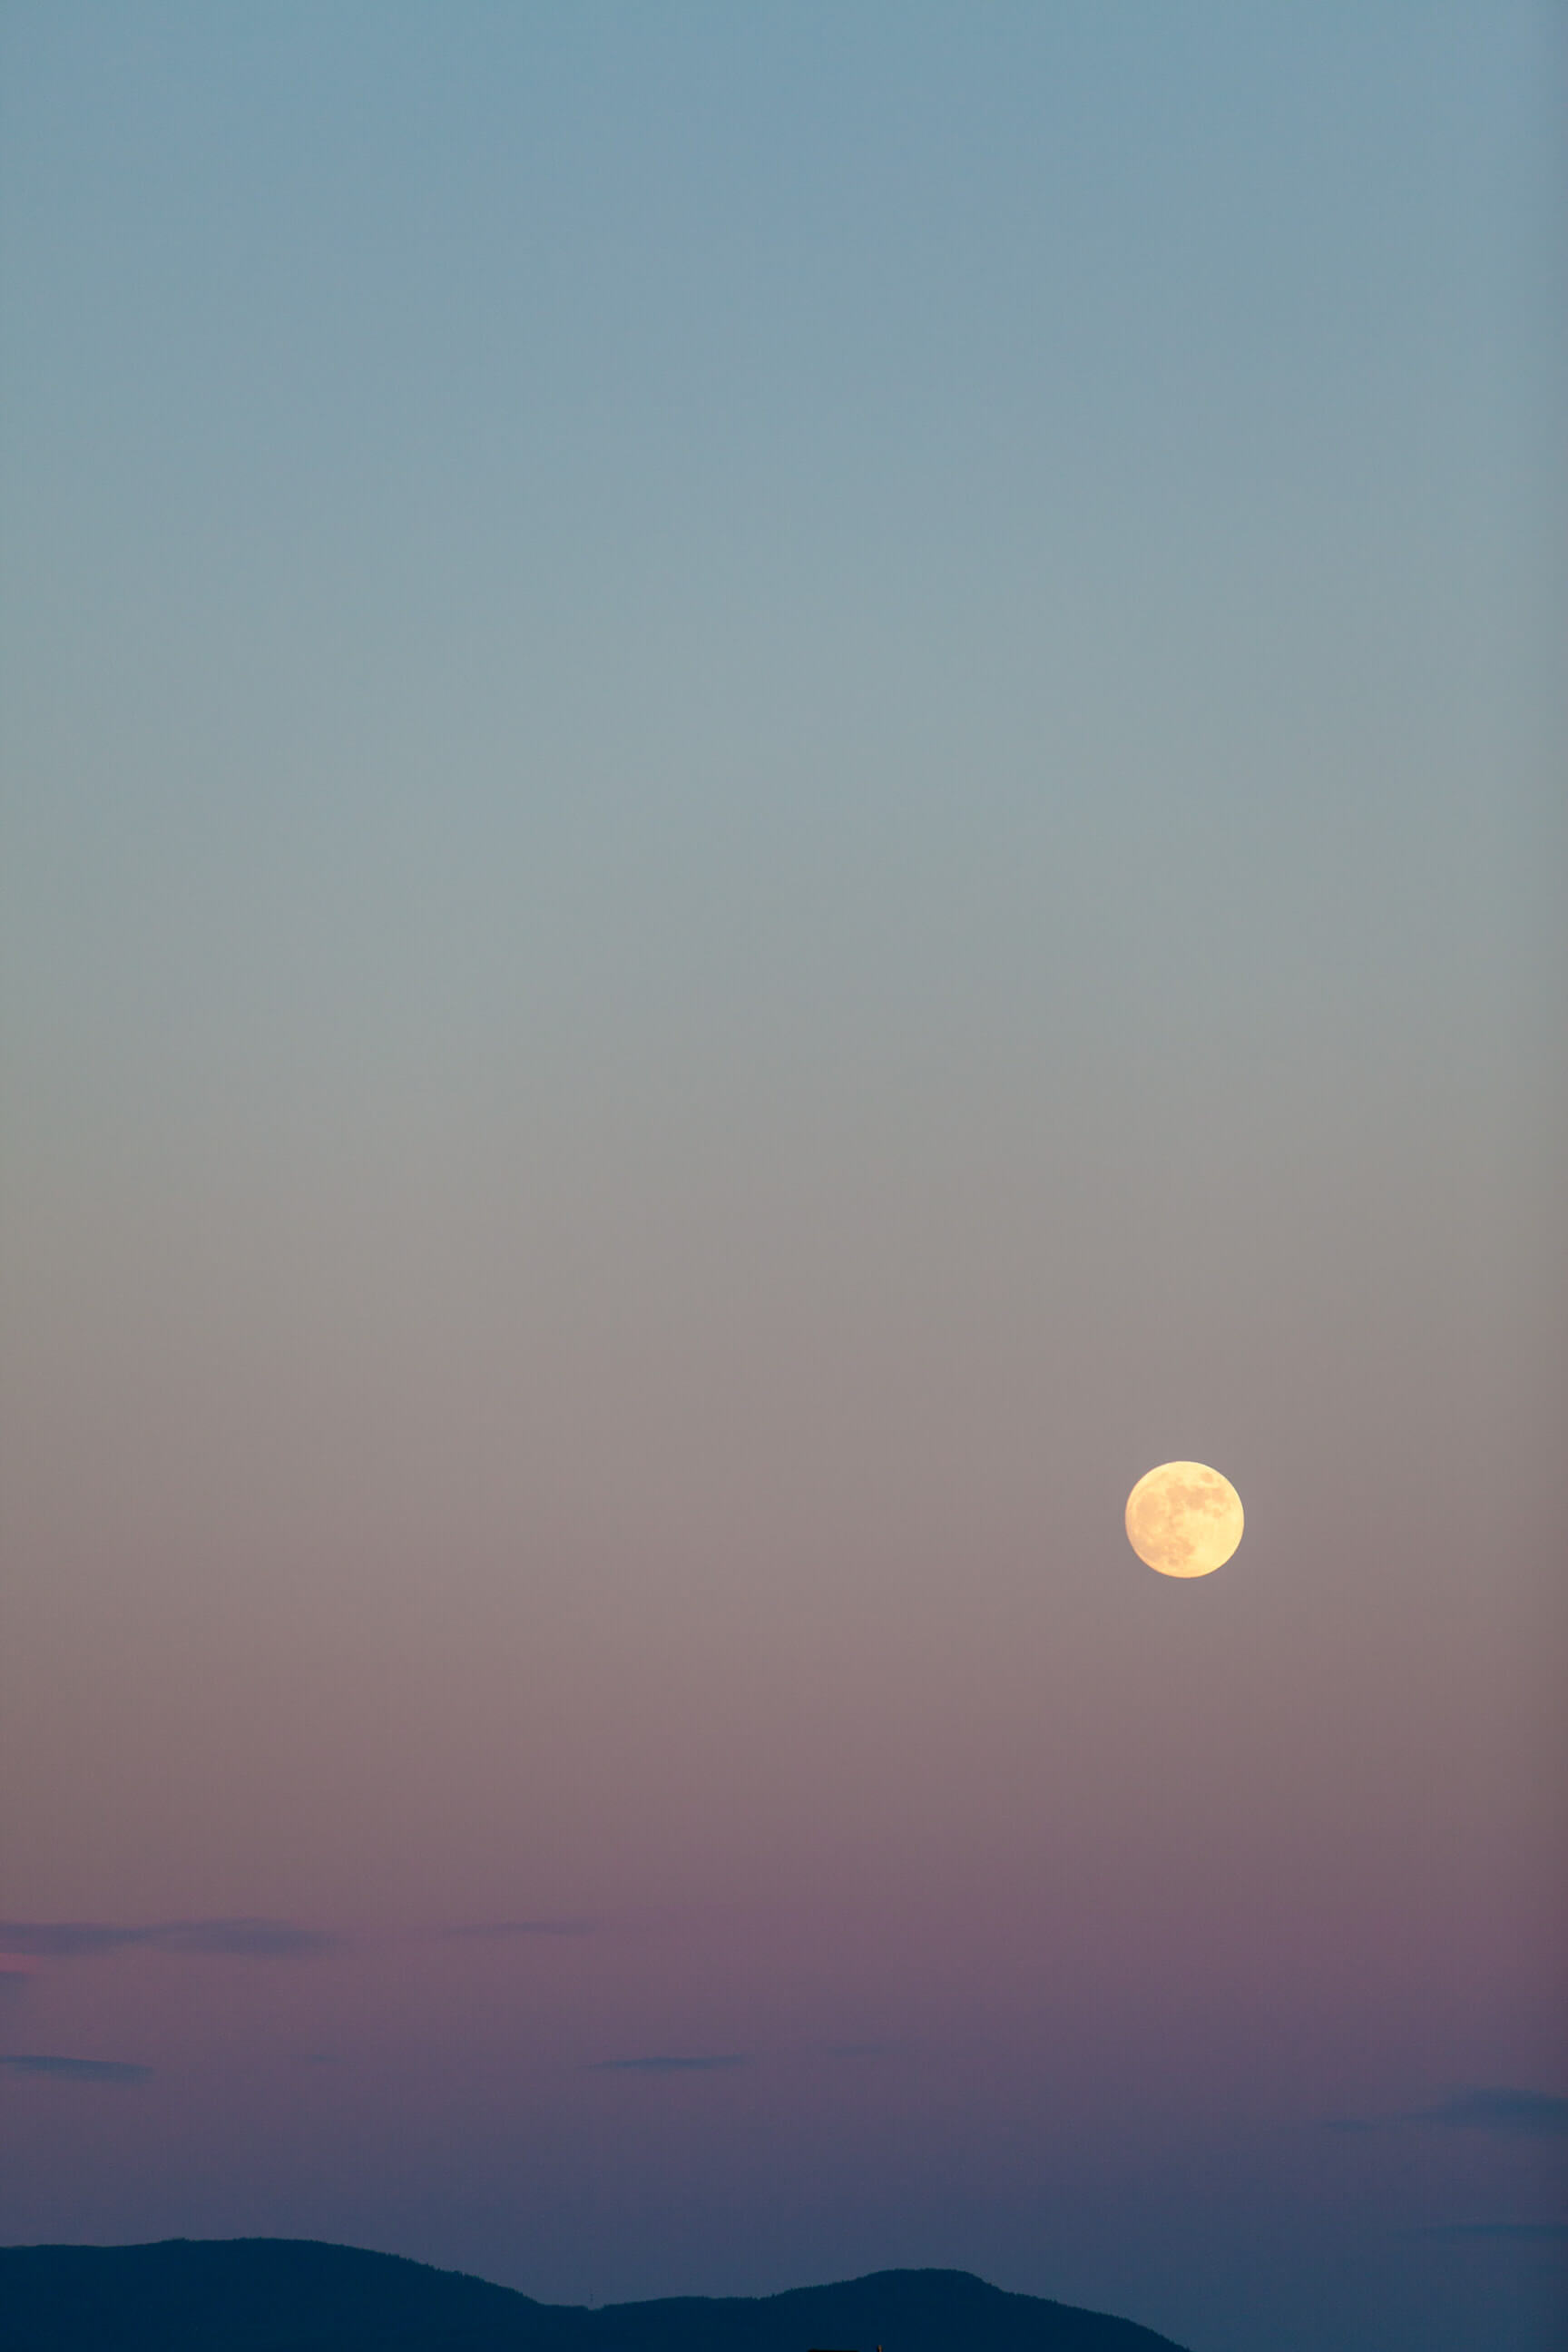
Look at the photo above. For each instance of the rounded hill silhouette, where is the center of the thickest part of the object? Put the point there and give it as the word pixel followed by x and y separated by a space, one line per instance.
pixel 278 2294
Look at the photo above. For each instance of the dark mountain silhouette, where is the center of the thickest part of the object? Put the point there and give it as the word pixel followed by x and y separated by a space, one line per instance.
pixel 279 2294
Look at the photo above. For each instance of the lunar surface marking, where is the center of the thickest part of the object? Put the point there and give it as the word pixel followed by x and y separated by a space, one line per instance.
pixel 1184 1519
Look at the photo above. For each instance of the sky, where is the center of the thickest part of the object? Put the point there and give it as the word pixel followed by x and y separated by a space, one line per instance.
pixel 781 784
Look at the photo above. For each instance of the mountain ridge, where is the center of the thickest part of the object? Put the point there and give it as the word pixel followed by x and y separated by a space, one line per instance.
pixel 303 2294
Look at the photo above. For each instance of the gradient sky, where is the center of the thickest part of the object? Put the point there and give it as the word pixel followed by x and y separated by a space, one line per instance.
pixel 781 782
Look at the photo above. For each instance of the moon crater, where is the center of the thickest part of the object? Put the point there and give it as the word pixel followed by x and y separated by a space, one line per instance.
pixel 1184 1518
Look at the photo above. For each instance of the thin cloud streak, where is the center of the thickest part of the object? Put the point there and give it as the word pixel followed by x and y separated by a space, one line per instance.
pixel 669 2065
pixel 1541 2231
pixel 1535 2113
pixel 1497 2107
pixel 77 2070
pixel 70 1939
pixel 500 1930
pixel 265 1940
pixel 65 1940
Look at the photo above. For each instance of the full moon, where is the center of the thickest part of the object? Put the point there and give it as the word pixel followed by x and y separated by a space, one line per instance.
pixel 1184 1519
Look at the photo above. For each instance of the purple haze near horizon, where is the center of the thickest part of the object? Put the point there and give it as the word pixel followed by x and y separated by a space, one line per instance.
pixel 780 784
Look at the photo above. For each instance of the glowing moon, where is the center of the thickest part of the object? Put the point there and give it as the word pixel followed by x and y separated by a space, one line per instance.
pixel 1184 1519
